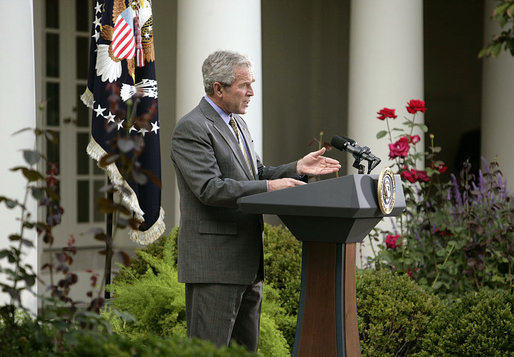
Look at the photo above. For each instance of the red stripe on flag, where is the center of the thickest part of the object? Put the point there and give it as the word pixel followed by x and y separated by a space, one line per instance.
pixel 123 40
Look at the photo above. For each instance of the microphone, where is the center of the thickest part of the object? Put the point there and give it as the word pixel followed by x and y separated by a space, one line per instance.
pixel 358 152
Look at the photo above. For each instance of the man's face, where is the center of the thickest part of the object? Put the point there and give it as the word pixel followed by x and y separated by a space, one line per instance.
pixel 235 99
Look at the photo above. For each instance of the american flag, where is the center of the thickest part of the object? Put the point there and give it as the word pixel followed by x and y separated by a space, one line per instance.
pixel 112 81
pixel 123 40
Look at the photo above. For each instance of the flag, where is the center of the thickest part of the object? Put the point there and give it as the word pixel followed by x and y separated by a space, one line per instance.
pixel 123 40
pixel 114 84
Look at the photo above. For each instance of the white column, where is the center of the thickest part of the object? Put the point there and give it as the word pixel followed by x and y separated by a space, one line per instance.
pixel 17 111
pixel 385 70
pixel 497 102
pixel 206 26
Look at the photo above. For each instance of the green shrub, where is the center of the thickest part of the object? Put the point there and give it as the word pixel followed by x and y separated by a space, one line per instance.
pixel 156 301
pixel 25 337
pixel 393 313
pixel 148 346
pixel 283 267
pixel 478 324
pixel 165 245
pixel 271 341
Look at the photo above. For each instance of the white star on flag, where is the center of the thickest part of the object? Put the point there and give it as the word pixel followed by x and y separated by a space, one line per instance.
pixel 155 127
pixel 96 36
pixel 120 124
pixel 132 128
pixel 143 131
pixel 110 117
pixel 97 22
pixel 99 111
pixel 98 7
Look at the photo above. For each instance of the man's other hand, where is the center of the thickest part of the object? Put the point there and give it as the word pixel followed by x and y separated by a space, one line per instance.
pixel 280 184
pixel 314 164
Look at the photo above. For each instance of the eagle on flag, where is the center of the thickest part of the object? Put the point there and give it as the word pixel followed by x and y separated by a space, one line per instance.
pixel 122 78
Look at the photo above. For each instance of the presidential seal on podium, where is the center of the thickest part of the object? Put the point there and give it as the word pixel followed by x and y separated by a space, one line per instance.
pixel 386 190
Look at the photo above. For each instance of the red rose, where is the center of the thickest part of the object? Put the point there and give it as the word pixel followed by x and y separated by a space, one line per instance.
pixel 443 233
pixel 391 241
pixel 421 175
pixel 386 113
pixel 414 175
pixel 441 167
pixel 407 175
pixel 415 105
pixel 399 148
pixel 413 139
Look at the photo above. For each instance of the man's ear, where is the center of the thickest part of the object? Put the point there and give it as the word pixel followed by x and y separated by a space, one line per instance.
pixel 217 86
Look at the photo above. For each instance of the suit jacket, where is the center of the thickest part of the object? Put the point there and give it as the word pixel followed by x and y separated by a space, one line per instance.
pixel 217 242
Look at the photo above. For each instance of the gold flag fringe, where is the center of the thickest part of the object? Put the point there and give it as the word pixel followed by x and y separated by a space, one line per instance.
pixel 129 199
pixel 152 234
pixel 87 98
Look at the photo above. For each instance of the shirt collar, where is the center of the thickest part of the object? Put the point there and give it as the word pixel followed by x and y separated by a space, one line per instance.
pixel 218 110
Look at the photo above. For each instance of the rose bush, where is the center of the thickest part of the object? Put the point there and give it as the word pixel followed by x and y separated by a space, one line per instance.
pixel 454 236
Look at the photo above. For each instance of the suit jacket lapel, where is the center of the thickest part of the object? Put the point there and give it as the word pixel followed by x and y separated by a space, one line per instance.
pixel 227 134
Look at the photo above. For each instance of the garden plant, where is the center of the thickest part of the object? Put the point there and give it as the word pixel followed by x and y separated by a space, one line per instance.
pixel 454 236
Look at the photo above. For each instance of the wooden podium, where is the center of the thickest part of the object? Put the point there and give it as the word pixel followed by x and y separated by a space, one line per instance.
pixel 329 217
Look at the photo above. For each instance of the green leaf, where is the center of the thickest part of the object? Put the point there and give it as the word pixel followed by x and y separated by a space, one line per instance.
pixel 381 134
pixel 38 192
pixel 30 175
pixel 31 156
pixel 496 49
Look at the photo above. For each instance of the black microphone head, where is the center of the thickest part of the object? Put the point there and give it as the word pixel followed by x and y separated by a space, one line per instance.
pixel 339 142
pixel 351 141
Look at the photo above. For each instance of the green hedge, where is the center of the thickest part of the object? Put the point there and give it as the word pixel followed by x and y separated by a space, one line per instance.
pixel 149 346
pixel 478 324
pixel 393 313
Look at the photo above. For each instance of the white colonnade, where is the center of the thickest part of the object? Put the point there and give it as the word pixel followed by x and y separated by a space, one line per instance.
pixel 17 111
pixel 497 126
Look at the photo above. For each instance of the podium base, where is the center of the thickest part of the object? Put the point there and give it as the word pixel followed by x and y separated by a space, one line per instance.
pixel 327 315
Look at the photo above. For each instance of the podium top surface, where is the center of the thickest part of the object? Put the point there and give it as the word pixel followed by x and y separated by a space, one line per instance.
pixel 352 196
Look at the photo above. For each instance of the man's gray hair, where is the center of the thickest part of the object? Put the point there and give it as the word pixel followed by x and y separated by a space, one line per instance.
pixel 220 66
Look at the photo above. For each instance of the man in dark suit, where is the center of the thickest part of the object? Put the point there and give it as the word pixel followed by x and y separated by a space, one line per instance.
pixel 220 254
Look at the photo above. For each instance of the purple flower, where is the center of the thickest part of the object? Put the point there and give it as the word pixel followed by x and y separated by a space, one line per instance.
pixel 456 192
pixel 418 238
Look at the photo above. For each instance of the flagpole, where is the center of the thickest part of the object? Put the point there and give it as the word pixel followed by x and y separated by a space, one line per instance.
pixel 108 245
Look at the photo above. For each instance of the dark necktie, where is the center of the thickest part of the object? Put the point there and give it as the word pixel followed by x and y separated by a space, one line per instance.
pixel 233 124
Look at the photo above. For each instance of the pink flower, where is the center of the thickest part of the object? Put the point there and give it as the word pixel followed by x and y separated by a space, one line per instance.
pixel 386 113
pixel 416 105
pixel 391 241
pixel 399 148
pixel 413 139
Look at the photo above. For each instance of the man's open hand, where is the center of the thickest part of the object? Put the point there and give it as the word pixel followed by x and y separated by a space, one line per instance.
pixel 314 164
